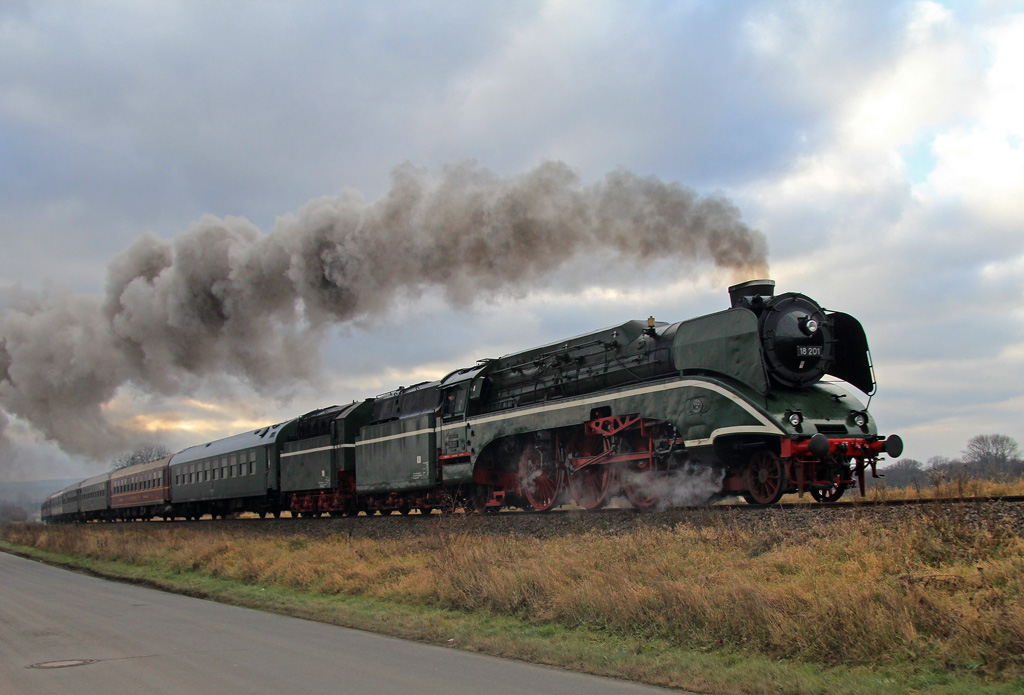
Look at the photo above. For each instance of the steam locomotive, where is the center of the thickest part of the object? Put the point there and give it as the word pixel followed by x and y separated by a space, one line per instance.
pixel 736 403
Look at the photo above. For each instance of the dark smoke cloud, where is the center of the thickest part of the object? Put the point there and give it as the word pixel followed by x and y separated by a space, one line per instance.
pixel 223 298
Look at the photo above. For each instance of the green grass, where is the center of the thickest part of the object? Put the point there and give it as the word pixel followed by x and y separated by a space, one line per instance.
pixel 933 606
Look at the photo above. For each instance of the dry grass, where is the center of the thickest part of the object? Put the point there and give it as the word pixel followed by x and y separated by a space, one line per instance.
pixel 939 489
pixel 958 487
pixel 934 590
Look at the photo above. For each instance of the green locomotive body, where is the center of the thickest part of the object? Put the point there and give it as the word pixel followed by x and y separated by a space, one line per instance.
pixel 734 403
pixel 637 408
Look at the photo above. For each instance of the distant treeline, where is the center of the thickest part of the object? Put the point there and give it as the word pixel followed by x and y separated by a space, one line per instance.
pixel 994 457
pixel 12 511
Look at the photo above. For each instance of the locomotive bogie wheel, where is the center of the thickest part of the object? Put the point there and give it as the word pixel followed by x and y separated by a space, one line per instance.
pixel 639 484
pixel 766 479
pixel 590 485
pixel 829 494
pixel 540 483
pixel 475 500
pixel 638 487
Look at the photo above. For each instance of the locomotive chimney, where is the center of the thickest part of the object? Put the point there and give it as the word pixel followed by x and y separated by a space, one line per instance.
pixel 752 294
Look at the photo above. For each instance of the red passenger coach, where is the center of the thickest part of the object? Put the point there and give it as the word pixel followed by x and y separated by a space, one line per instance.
pixel 141 492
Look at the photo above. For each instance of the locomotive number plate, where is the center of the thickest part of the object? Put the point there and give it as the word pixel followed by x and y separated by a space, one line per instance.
pixel 808 350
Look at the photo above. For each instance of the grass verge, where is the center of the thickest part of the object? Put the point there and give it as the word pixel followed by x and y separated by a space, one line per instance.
pixel 932 607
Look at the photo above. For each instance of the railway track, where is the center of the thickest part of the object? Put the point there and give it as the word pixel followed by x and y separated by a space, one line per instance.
pixel 858 502
pixel 1005 513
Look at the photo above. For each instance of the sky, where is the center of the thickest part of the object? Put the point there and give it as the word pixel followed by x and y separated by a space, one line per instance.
pixel 867 154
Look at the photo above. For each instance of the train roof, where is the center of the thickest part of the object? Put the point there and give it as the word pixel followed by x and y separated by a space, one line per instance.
pixel 346 410
pixel 139 468
pixel 229 445
pixel 465 374
pixel 623 333
pixel 334 412
pixel 101 478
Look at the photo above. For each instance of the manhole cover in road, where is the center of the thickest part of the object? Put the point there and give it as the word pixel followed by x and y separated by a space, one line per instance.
pixel 67 663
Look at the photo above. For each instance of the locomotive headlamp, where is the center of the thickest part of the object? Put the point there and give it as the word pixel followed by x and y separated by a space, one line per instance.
pixel 795 418
pixel 860 419
pixel 809 326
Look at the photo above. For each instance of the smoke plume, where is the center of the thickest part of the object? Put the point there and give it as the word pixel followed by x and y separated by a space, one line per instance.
pixel 224 298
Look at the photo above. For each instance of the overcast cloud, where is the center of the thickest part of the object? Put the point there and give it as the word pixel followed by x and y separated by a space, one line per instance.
pixel 877 147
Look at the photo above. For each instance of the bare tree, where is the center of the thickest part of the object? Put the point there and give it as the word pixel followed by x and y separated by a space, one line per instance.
pixel 905 473
pixel 994 456
pixel 994 448
pixel 144 454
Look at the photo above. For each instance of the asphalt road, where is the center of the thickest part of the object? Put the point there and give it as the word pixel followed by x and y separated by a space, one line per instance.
pixel 146 642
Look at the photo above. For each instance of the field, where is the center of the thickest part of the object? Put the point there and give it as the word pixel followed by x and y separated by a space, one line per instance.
pixel 929 599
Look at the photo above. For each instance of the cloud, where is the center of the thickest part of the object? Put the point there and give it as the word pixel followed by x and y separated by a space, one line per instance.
pixel 876 145
pixel 924 257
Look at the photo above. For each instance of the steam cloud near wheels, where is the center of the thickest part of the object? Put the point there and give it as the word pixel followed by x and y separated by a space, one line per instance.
pixel 224 298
